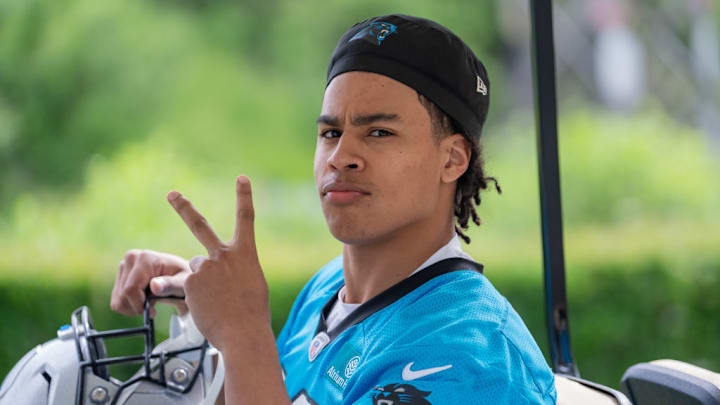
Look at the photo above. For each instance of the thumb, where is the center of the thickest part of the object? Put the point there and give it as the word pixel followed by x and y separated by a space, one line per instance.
pixel 169 285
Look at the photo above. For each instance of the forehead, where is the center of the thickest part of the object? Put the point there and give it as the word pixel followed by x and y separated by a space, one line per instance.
pixel 359 92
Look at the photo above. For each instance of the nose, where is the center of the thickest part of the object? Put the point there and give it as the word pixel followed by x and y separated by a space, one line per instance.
pixel 346 156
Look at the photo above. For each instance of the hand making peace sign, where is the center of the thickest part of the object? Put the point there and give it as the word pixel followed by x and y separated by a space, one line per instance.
pixel 227 293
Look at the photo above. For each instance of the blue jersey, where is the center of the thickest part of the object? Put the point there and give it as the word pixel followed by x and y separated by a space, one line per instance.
pixel 438 337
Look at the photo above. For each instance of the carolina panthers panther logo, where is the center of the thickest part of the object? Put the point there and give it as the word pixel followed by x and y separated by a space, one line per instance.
pixel 376 31
pixel 398 394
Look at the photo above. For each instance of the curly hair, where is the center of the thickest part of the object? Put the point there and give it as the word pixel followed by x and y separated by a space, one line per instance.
pixel 473 180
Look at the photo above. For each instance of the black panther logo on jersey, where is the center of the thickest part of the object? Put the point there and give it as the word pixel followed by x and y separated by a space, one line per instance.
pixel 398 394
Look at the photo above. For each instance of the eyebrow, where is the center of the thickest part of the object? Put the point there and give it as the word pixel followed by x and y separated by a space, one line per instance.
pixel 358 120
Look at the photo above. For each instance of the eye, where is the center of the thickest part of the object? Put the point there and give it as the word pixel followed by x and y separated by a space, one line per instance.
pixel 380 133
pixel 330 133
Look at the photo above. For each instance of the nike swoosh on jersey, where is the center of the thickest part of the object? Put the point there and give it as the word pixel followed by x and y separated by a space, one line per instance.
pixel 409 375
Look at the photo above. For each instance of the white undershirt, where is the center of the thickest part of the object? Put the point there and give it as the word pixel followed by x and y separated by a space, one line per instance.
pixel 341 309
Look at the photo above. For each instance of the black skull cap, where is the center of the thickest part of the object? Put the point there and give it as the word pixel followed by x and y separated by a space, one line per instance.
pixel 423 55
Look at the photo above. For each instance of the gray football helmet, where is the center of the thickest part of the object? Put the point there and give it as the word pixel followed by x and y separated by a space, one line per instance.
pixel 74 368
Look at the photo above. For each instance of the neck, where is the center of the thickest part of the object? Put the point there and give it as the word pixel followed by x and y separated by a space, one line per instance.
pixel 372 268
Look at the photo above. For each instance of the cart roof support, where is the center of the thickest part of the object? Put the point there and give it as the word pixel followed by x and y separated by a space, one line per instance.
pixel 556 310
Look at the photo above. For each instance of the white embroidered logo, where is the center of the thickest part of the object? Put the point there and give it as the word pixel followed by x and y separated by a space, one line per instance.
pixel 481 88
pixel 351 366
pixel 409 375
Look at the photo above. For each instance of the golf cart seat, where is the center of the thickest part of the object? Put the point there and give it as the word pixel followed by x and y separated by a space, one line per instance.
pixel 575 391
pixel 662 382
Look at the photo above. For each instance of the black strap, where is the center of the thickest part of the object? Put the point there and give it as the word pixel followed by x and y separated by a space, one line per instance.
pixel 392 294
pixel 556 310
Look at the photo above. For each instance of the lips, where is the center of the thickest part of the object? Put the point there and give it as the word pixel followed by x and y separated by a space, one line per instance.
pixel 343 192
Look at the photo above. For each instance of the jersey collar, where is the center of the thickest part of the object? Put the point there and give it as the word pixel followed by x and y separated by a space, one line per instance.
pixel 390 295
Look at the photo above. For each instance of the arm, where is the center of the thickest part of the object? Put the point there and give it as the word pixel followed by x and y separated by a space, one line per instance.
pixel 259 385
pixel 252 370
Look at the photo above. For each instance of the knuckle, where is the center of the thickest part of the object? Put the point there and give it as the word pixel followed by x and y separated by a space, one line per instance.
pixel 157 267
pixel 182 205
pixel 119 305
pixel 129 292
pixel 143 256
pixel 197 262
pixel 206 265
pixel 198 223
pixel 224 253
pixel 182 202
pixel 189 282
pixel 246 213
pixel 245 246
pixel 245 190
pixel 132 254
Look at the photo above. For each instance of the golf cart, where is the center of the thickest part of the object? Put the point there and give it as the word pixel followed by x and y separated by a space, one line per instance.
pixel 661 382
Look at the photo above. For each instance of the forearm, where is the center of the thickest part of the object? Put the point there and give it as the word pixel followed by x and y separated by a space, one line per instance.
pixel 253 374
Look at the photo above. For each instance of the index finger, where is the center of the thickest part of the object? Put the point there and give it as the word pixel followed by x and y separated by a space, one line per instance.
pixel 195 221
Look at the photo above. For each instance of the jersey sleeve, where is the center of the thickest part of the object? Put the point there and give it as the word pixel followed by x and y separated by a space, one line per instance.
pixel 432 375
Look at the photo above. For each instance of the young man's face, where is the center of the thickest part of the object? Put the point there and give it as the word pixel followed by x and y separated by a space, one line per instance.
pixel 377 165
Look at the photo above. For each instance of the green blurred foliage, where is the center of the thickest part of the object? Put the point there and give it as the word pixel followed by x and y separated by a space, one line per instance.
pixel 619 314
pixel 81 78
pixel 106 106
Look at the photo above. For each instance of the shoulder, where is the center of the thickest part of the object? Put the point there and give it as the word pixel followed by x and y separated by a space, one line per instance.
pixel 464 295
pixel 460 318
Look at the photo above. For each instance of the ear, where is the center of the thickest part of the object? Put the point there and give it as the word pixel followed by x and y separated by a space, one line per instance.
pixel 457 151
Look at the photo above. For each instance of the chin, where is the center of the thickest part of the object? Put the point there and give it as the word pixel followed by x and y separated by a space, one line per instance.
pixel 348 235
pixel 353 232
pixel 361 231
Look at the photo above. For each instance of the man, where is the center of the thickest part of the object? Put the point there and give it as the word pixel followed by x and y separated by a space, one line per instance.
pixel 403 316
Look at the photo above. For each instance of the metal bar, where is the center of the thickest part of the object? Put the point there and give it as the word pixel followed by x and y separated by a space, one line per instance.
pixel 141 330
pixel 115 360
pixel 556 311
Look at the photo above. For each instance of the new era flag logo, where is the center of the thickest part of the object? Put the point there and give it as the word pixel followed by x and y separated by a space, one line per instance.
pixel 481 88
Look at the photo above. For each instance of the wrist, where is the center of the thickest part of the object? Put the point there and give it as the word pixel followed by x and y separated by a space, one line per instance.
pixel 247 337
pixel 253 370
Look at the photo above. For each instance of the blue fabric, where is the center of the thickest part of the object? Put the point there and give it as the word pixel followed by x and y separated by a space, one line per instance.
pixel 453 340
